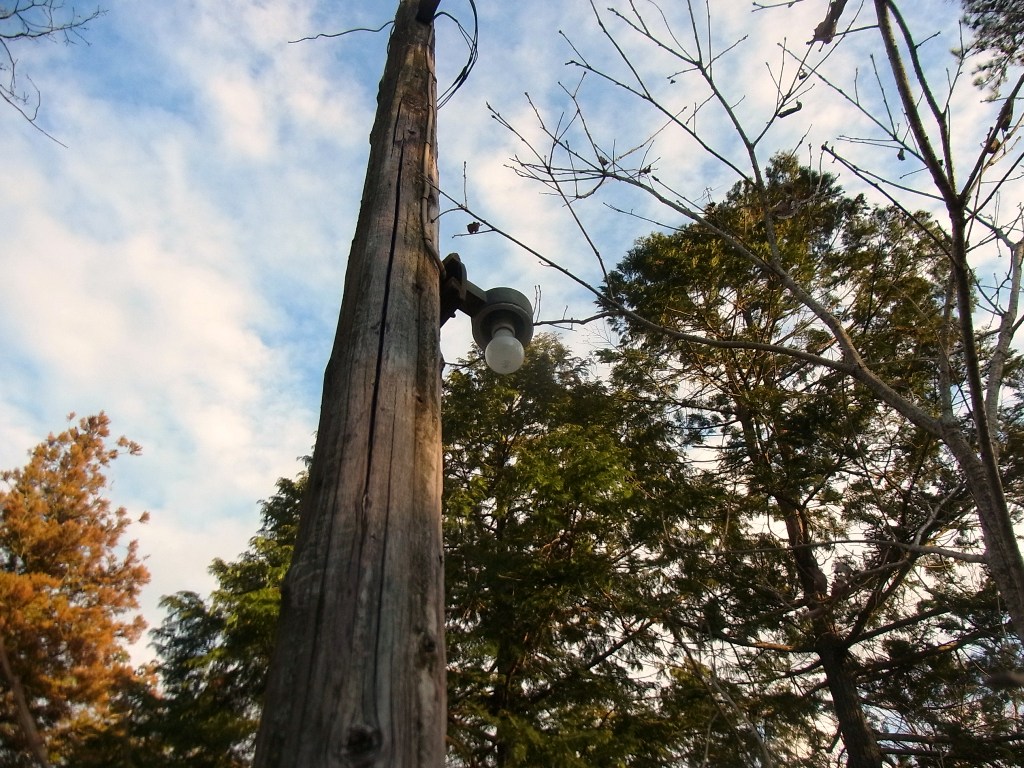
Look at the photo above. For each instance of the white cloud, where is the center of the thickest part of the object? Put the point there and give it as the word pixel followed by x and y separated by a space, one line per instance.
pixel 174 550
pixel 143 268
pixel 242 115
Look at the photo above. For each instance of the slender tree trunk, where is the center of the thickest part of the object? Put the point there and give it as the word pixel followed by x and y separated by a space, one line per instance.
pixel 358 675
pixel 859 739
pixel 25 720
pixel 862 748
pixel 981 467
pixel 980 462
pixel 506 662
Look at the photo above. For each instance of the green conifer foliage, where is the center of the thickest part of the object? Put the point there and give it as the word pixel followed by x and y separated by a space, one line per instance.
pixel 827 581
pixel 998 31
pixel 214 652
pixel 561 498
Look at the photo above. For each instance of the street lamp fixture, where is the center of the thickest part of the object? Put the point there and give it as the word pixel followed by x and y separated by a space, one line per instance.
pixel 502 317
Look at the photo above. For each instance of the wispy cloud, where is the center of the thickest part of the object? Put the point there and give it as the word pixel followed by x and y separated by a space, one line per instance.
pixel 180 264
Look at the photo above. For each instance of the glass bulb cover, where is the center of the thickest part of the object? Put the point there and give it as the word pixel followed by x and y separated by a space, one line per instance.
pixel 504 353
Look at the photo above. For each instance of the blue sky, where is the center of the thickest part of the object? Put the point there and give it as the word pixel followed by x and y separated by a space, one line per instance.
pixel 179 263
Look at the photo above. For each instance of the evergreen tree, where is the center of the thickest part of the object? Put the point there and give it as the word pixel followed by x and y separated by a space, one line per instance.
pixel 998 28
pixel 566 588
pixel 214 653
pixel 902 117
pixel 622 585
pixel 553 579
pixel 202 706
pixel 833 513
pixel 68 591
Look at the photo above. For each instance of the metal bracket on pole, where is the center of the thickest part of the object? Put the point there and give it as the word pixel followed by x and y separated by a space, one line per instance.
pixel 489 309
pixel 457 293
pixel 428 8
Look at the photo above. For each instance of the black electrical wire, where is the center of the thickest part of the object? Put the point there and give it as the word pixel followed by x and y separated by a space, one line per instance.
pixel 473 43
pixel 427 15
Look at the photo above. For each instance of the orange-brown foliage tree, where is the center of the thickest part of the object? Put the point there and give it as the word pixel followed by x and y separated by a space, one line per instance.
pixel 68 594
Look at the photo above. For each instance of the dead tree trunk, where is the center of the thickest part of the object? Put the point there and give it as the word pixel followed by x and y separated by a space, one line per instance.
pixel 358 676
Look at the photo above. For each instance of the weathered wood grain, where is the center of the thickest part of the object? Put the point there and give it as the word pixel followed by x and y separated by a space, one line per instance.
pixel 358 677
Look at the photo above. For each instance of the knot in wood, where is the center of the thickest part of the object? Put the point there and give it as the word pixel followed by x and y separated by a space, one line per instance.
pixel 362 743
pixel 428 652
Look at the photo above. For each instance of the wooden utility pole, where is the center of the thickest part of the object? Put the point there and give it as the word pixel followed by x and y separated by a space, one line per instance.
pixel 358 675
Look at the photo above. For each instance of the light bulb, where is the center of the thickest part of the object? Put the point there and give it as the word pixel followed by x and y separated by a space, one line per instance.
pixel 504 353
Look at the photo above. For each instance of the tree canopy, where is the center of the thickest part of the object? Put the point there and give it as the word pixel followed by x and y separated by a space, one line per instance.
pixel 998 32
pixel 845 544
pixel 711 556
pixel 556 496
pixel 69 585
pixel 214 652
pixel 560 494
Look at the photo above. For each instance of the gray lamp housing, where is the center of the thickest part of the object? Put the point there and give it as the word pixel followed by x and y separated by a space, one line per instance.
pixel 498 310
pixel 503 306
